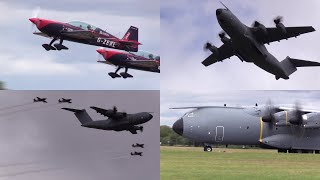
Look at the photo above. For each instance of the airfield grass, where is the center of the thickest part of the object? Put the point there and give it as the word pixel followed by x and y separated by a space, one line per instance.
pixel 194 163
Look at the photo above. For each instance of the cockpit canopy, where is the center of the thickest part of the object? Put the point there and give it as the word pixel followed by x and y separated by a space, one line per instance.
pixel 83 25
pixel 146 54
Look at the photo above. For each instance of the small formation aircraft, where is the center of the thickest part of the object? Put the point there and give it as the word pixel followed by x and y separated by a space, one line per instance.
pixel 140 60
pixel 287 128
pixel 117 121
pixel 136 153
pixel 63 100
pixel 138 145
pixel 84 33
pixel 37 99
pixel 247 43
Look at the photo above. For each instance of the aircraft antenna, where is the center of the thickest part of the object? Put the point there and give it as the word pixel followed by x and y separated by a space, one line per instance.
pixel 224 5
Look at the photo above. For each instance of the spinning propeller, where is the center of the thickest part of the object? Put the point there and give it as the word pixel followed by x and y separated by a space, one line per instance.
pixel 278 20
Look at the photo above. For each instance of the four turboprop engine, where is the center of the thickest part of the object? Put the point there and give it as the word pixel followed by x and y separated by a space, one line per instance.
pixel 212 48
pixel 279 25
pixel 294 117
pixel 261 29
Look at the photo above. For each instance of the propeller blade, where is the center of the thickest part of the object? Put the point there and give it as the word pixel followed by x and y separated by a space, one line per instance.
pixel 35 12
pixel 256 24
pixel 207 46
pixel 278 19
pixel 222 34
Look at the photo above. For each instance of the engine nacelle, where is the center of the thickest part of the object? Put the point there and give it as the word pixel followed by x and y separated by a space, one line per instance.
pixel 311 120
pixel 213 49
pixel 281 28
pixel 262 29
pixel 283 118
pixel 225 40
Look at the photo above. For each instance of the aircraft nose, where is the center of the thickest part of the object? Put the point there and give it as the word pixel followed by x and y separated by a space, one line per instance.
pixel 33 20
pixel 219 11
pixel 178 127
pixel 150 116
pixel 100 51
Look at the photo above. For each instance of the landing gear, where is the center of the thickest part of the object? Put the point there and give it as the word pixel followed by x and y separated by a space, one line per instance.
pixel 57 46
pixel 123 74
pixel 207 148
pixel 60 46
pixel 282 151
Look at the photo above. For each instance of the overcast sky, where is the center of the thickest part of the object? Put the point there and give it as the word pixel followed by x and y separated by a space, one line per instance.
pixel 187 25
pixel 25 64
pixel 307 100
pixel 42 141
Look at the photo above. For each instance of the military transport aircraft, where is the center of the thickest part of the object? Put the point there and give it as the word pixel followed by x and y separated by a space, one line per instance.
pixel 247 43
pixel 37 99
pixel 81 32
pixel 140 60
pixel 63 100
pixel 138 145
pixel 288 129
pixel 117 121
pixel 136 153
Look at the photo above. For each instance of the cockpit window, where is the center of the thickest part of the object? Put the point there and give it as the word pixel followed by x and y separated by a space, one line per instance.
pixel 188 114
pixel 82 25
pixel 147 55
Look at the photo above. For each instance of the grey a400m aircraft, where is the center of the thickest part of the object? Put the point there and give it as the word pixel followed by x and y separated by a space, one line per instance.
pixel 286 129
pixel 117 121
pixel 247 43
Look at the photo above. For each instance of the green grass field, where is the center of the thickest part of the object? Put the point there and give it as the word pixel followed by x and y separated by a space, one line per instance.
pixel 193 163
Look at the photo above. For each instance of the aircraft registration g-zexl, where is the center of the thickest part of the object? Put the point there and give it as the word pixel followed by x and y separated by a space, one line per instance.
pixel 288 129
pixel 81 32
pixel 117 121
pixel 140 60
pixel 247 43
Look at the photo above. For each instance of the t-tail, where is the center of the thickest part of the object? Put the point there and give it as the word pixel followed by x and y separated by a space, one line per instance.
pixel 81 114
pixel 131 39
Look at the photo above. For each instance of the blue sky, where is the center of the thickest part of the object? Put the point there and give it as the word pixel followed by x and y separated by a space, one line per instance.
pixel 26 65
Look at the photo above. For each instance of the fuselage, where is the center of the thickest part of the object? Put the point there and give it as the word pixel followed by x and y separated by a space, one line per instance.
pixel 131 60
pixel 246 46
pixel 243 126
pixel 100 37
pixel 125 123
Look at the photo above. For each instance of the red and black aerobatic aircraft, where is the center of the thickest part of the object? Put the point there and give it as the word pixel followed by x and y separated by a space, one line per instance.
pixel 81 32
pixel 140 60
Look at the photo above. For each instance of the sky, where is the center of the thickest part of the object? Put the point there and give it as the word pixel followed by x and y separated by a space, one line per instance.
pixel 26 65
pixel 287 98
pixel 187 25
pixel 42 141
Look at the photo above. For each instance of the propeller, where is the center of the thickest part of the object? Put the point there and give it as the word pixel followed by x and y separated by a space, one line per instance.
pixel 255 24
pixel 206 46
pixel 278 20
pixel 115 109
pixel 269 111
pixel 35 14
pixel 222 34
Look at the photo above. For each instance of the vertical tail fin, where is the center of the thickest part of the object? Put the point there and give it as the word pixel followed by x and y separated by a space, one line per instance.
pixel 82 115
pixel 290 65
pixel 131 34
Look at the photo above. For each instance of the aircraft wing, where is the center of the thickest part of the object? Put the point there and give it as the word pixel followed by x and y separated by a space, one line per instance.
pixel 109 113
pixel 80 34
pixel 133 131
pixel 41 34
pixel 200 107
pixel 224 52
pixel 302 110
pixel 143 63
pixel 275 35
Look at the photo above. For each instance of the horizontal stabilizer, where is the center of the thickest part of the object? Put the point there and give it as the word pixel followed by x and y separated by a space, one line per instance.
pixel 303 63
pixel 74 110
pixel 290 65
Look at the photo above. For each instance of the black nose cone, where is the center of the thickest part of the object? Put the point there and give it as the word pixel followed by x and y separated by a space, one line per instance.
pixel 219 11
pixel 178 127
pixel 150 116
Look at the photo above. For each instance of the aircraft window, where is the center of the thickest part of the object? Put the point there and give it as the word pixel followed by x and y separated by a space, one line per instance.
pixel 82 25
pixel 190 114
pixel 146 55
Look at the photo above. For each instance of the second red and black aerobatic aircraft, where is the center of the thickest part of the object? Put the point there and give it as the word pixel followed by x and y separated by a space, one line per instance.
pixel 81 32
pixel 140 60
